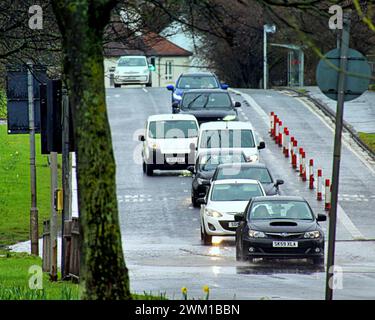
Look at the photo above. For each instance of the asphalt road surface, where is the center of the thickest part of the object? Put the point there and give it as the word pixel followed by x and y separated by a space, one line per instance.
pixel 160 228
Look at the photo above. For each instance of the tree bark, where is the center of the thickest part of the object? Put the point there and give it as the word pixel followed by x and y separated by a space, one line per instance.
pixel 103 271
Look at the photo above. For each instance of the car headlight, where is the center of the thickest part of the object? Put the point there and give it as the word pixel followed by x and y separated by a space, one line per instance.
pixel 212 213
pixel 202 181
pixel 177 97
pixel 256 234
pixel 154 146
pixel 312 235
pixel 229 118
pixel 252 158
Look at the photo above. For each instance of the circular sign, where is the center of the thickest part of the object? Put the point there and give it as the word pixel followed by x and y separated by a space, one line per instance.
pixel 357 80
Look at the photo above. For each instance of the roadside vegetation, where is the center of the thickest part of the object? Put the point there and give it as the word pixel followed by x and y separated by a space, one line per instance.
pixel 15 187
pixel 3 112
pixel 368 139
pixel 14 281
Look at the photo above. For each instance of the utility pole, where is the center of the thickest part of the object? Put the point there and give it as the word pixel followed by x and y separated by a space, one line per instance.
pixel 344 46
pixel 34 233
pixel 66 176
pixel 53 223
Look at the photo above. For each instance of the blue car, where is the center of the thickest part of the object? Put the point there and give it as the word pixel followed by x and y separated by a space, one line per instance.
pixel 196 80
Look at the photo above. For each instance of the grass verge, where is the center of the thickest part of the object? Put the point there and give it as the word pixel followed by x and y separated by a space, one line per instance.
pixel 368 139
pixel 15 277
pixel 15 186
pixel 3 105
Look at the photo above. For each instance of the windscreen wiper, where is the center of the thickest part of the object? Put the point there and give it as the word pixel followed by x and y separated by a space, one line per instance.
pixel 192 101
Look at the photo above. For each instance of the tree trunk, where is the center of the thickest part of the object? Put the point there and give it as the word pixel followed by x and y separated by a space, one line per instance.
pixel 103 271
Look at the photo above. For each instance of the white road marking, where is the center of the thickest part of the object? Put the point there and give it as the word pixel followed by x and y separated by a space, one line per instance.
pixel 145 90
pixel 348 224
pixel 117 95
pixel 246 118
pixel 331 127
pixel 341 215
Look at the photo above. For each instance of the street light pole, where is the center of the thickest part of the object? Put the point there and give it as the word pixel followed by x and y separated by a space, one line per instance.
pixel 265 58
pixel 34 234
pixel 344 46
pixel 266 29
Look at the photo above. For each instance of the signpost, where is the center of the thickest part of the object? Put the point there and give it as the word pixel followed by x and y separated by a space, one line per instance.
pixel 342 75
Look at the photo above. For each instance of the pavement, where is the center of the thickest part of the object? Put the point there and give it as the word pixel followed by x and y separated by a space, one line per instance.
pixel 160 228
pixel 359 113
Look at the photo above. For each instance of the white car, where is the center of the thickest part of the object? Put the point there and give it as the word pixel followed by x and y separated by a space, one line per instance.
pixel 230 135
pixel 225 199
pixel 132 70
pixel 169 142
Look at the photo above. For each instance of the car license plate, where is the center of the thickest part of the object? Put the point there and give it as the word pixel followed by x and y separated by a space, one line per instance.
pixel 176 160
pixel 285 244
pixel 233 224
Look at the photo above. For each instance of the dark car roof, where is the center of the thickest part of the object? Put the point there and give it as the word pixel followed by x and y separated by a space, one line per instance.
pixel 195 74
pixel 223 152
pixel 215 90
pixel 242 165
pixel 278 198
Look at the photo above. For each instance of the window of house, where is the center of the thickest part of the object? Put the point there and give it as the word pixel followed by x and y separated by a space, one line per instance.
pixel 168 70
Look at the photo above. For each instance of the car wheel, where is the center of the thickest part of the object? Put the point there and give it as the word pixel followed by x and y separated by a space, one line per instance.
pixel 194 201
pixel 149 170
pixel 144 167
pixel 117 85
pixel 239 253
pixel 149 84
pixel 318 261
pixel 207 239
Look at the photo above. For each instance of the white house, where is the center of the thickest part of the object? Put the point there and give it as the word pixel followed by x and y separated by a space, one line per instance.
pixel 169 59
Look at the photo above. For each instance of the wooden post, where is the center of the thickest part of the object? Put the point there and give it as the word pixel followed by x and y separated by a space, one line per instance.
pixel 46 247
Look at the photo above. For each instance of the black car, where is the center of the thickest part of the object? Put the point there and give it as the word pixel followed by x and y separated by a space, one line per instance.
pixel 207 105
pixel 204 168
pixel 279 227
pixel 255 171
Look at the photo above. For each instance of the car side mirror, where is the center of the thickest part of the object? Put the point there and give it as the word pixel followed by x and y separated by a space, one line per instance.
pixel 237 104
pixel 201 201
pixel 321 217
pixel 279 182
pixel 191 169
pixel 224 86
pixel 141 137
pixel 238 217
pixel 170 87
pixel 262 145
pixel 112 69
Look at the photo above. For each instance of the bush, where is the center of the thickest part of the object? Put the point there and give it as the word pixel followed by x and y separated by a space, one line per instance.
pixel 372 87
pixel 3 104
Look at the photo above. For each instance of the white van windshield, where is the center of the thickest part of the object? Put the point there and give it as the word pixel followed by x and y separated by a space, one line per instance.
pixel 173 129
pixel 227 139
pixel 132 62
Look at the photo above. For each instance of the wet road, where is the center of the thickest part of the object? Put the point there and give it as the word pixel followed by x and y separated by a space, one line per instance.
pixel 160 228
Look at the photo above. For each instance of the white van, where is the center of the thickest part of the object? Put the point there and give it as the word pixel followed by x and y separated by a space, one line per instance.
pixel 132 70
pixel 169 142
pixel 231 135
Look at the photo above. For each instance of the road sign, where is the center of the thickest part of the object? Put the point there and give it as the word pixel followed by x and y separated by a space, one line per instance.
pixel 357 78
pixel 17 96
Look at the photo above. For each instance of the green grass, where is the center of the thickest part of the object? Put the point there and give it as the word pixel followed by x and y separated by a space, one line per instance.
pixel 15 187
pixel 14 280
pixel 368 139
pixel 3 110
pixel 15 276
pixel 372 87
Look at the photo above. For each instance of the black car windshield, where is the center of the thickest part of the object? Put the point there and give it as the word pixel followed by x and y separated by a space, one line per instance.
pixel 173 129
pixel 197 82
pixel 281 209
pixel 199 100
pixel 238 172
pixel 235 191
pixel 209 162
pixel 227 139
pixel 132 62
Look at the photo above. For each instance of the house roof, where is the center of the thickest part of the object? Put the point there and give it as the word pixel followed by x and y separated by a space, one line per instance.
pixel 150 44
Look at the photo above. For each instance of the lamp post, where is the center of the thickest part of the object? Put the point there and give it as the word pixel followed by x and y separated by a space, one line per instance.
pixel 266 29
